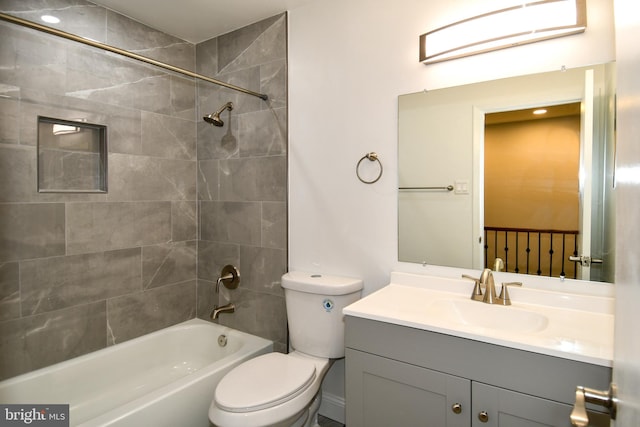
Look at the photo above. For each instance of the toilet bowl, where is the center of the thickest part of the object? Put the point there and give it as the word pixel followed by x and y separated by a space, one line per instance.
pixel 278 389
pixel 271 390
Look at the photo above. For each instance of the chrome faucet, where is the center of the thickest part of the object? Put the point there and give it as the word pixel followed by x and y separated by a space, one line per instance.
pixel 228 308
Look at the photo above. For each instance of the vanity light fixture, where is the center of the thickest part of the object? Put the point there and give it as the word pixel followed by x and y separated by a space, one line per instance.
pixel 540 111
pixel 513 26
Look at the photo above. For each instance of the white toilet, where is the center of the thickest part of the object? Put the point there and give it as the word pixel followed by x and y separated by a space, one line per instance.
pixel 278 389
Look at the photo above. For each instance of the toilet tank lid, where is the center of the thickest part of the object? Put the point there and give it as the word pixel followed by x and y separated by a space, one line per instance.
pixel 320 283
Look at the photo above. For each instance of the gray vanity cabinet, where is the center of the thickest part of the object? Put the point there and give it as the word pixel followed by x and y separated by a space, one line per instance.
pixel 401 376
pixel 385 392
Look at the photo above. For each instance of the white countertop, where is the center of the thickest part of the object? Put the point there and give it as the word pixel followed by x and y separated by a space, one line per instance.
pixel 568 325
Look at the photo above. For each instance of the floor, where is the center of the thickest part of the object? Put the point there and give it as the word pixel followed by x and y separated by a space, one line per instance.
pixel 326 422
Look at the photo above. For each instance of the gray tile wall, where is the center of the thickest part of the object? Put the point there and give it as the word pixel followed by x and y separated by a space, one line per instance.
pixel 242 177
pixel 79 272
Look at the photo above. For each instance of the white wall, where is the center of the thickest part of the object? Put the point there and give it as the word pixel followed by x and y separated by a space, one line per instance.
pixel 348 62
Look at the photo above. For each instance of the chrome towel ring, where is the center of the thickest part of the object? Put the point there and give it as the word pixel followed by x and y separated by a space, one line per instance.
pixel 371 157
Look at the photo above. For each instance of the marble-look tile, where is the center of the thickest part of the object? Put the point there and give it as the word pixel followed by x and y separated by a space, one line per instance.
pixel 168 137
pixel 9 120
pixel 213 256
pixel 69 170
pixel 255 41
pixel 268 47
pixel 9 290
pixel 274 225
pixel 53 283
pixel 230 222
pixel 273 82
pixel 262 269
pixel 263 133
pixel 78 17
pixel 207 57
pixel 18 173
pixel 9 72
pixel 218 142
pixel 212 97
pixel 257 313
pixel 207 299
pixel 40 61
pixel 33 342
pixel 168 263
pixel 136 37
pixel 150 178
pixel 182 98
pixel 184 221
pixel 31 230
pixel 208 180
pixel 133 315
pixel 18 178
pixel 117 81
pixel 93 227
pixel 123 124
pixel 260 178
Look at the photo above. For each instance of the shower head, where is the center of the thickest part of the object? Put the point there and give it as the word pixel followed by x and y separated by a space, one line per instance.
pixel 214 118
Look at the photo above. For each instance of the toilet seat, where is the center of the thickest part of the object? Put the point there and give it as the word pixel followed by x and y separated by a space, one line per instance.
pixel 264 382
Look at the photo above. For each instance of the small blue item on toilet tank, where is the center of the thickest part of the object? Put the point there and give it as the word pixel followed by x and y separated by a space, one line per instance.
pixel 327 304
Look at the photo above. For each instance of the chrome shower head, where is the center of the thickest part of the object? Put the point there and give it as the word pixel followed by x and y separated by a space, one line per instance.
pixel 214 118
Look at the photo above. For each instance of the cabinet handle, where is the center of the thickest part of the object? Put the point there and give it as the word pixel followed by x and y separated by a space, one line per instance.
pixel 483 416
pixel 456 408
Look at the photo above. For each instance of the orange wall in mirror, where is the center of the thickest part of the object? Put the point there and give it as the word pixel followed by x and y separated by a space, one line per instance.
pixel 531 173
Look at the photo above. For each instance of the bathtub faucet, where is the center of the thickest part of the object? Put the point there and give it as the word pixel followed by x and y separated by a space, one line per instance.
pixel 228 308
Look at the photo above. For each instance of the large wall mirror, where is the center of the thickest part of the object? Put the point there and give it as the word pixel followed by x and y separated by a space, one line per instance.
pixel 485 182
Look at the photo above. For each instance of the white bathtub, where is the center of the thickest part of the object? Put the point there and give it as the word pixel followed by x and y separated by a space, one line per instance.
pixel 166 378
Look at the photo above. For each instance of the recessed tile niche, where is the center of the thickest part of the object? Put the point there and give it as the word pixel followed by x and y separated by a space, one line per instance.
pixel 72 156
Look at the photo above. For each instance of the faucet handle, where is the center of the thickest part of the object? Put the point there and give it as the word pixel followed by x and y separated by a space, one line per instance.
pixel 476 295
pixel 503 298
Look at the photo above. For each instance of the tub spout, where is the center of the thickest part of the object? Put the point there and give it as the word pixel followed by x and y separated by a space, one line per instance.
pixel 229 308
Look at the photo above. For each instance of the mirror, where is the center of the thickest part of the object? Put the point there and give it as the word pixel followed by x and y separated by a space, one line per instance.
pixel 442 187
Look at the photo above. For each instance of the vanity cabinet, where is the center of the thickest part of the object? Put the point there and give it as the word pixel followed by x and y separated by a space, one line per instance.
pixel 385 392
pixel 401 376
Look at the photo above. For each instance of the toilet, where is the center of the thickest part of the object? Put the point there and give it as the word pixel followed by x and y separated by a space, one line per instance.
pixel 278 389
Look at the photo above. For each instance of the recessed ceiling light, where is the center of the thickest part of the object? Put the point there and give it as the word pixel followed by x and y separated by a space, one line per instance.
pixel 540 111
pixel 50 19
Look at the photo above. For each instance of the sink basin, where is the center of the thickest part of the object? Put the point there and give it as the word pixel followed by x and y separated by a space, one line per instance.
pixel 548 321
pixel 488 316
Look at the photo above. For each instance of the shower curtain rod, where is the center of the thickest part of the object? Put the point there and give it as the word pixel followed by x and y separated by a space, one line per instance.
pixel 113 49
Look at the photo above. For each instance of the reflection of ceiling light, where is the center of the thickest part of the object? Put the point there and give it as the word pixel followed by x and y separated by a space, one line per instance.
pixel 540 112
pixel 517 25
pixel 50 19
pixel 64 129
pixel 60 129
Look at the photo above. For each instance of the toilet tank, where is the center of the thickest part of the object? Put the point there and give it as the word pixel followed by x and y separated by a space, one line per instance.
pixel 314 311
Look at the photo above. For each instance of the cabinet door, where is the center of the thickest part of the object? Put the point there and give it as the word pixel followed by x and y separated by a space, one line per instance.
pixel 382 392
pixel 506 408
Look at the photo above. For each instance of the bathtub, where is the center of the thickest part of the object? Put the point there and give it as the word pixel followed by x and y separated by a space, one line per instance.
pixel 165 378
